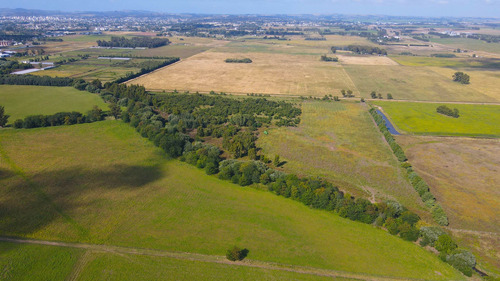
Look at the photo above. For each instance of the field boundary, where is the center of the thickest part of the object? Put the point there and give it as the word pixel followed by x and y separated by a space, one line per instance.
pixel 200 258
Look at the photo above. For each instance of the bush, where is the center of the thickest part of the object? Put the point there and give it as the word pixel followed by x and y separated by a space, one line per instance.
pixel 444 244
pixel 236 254
pixel 462 260
pixel 430 234
pixel 439 215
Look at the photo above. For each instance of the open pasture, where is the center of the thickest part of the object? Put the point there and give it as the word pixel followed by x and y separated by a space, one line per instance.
pixel 267 74
pixel 422 119
pixel 413 83
pixel 123 191
pixel 483 81
pixel 340 142
pixel 469 44
pixel 463 174
pixel 21 101
pixel 474 63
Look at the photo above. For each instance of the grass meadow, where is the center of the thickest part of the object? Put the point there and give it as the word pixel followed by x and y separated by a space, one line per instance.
pixel 422 119
pixel 123 191
pixel 415 83
pixel 463 175
pixel 469 44
pixel 474 63
pixel 23 262
pixel 339 141
pixel 103 266
pixel 21 101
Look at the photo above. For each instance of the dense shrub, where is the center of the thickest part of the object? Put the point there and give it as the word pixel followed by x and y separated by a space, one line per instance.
pixel 443 109
pixel 232 60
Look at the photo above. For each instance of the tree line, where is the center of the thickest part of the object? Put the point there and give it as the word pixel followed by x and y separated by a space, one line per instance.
pixel 233 60
pixel 417 182
pixel 134 42
pixel 7 66
pixel 60 118
pixel 364 49
pixel 327 58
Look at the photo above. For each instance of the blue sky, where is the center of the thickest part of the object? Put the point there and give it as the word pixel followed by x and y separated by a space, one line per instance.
pixel 484 8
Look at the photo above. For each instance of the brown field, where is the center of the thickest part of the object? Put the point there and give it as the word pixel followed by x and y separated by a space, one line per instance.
pixel 464 174
pixel 366 60
pixel 270 73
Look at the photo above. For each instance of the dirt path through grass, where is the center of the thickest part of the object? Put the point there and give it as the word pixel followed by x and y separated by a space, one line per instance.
pixel 191 257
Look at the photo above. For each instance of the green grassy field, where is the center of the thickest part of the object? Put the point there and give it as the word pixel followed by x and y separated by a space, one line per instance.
pixel 469 44
pixel 22 262
pixel 339 141
pixel 122 191
pixel 21 101
pixel 422 119
pixel 128 267
pixel 475 63
pixel 414 83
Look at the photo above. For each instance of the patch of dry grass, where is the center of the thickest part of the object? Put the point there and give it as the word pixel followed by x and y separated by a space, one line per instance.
pixel 464 175
pixel 339 141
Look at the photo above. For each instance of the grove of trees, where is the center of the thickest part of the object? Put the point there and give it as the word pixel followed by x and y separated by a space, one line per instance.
pixel 134 42
pixel 461 77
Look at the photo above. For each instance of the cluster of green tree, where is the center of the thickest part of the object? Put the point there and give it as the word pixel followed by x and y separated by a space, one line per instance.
pixel 65 61
pixel 449 252
pixel 8 66
pixel 232 60
pixel 398 151
pixel 315 39
pixel 362 49
pixel 443 109
pixel 134 42
pixel 150 67
pixel 275 37
pixel 328 98
pixel 36 80
pixel 327 58
pixel 51 39
pixel 374 95
pixel 461 77
pixel 347 94
pixel 41 58
pixel 443 55
pixel 252 94
pixel 58 119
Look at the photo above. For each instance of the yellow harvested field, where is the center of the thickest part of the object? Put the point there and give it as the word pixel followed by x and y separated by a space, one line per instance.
pixel 485 82
pixel 269 73
pixel 366 60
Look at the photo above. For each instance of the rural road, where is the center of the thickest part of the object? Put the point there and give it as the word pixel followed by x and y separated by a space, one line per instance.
pixel 200 258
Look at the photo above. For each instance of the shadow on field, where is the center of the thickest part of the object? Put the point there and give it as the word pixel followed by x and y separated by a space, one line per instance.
pixel 27 206
pixel 4 174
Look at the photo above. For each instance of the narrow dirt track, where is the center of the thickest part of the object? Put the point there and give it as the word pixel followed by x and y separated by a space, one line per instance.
pixel 198 257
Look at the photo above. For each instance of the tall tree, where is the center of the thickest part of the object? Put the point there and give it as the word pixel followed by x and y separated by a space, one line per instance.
pixel 3 117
